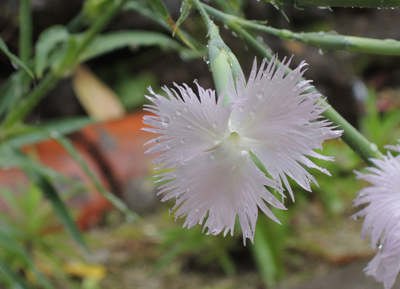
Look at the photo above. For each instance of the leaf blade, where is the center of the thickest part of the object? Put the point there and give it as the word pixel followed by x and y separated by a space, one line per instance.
pixel 15 59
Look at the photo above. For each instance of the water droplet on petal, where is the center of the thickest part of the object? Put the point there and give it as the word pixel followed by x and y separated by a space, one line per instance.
pixel 165 121
pixel 54 134
pixel 178 111
pixel 212 155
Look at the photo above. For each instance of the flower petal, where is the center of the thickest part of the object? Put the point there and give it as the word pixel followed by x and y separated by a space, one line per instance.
pixel 280 122
pixel 188 124
pixel 382 217
pixel 221 183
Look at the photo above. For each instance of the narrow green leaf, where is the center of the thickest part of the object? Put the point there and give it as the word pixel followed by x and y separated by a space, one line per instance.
pixel 159 8
pixel 116 40
pixel 14 59
pixel 8 244
pixel 33 134
pixel 59 207
pixel 263 254
pixel 197 48
pixel 46 44
pixel 8 90
pixel 185 10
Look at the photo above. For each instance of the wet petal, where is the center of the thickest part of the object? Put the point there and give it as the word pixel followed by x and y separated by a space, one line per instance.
pixel 188 124
pixel 221 184
pixel 382 217
pixel 281 123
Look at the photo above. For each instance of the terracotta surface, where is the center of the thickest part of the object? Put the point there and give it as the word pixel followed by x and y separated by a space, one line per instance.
pixel 115 153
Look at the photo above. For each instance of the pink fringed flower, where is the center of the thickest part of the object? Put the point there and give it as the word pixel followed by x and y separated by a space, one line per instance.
pixel 382 216
pixel 209 145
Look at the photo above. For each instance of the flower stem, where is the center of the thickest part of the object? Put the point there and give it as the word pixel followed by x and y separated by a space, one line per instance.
pixel 344 3
pixel 222 62
pixel 323 40
pixel 25 30
pixel 354 139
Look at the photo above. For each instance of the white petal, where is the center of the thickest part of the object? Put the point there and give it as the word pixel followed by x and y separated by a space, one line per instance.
pixel 221 183
pixel 188 124
pixel 382 217
pixel 280 122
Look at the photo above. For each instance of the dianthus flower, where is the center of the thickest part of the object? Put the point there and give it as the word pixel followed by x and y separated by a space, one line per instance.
pixel 272 116
pixel 382 216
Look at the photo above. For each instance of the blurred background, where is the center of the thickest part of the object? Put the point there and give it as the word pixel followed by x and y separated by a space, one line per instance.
pixel 317 245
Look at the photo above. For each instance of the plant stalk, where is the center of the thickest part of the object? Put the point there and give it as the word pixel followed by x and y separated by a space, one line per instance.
pixel 25 30
pixel 344 3
pixel 323 40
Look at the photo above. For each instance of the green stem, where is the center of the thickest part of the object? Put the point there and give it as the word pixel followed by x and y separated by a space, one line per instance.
pixel 209 23
pixel 351 136
pixel 223 64
pixel 25 30
pixel 323 40
pixel 344 3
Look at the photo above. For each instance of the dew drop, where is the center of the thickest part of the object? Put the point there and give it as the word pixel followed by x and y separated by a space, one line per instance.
pixel 170 212
pixel 214 125
pixel 212 155
pixel 321 52
pixel 54 134
pixel 373 147
pixel 165 119
pixel 241 108
pixel 179 111
pixel 253 111
pixel 16 67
